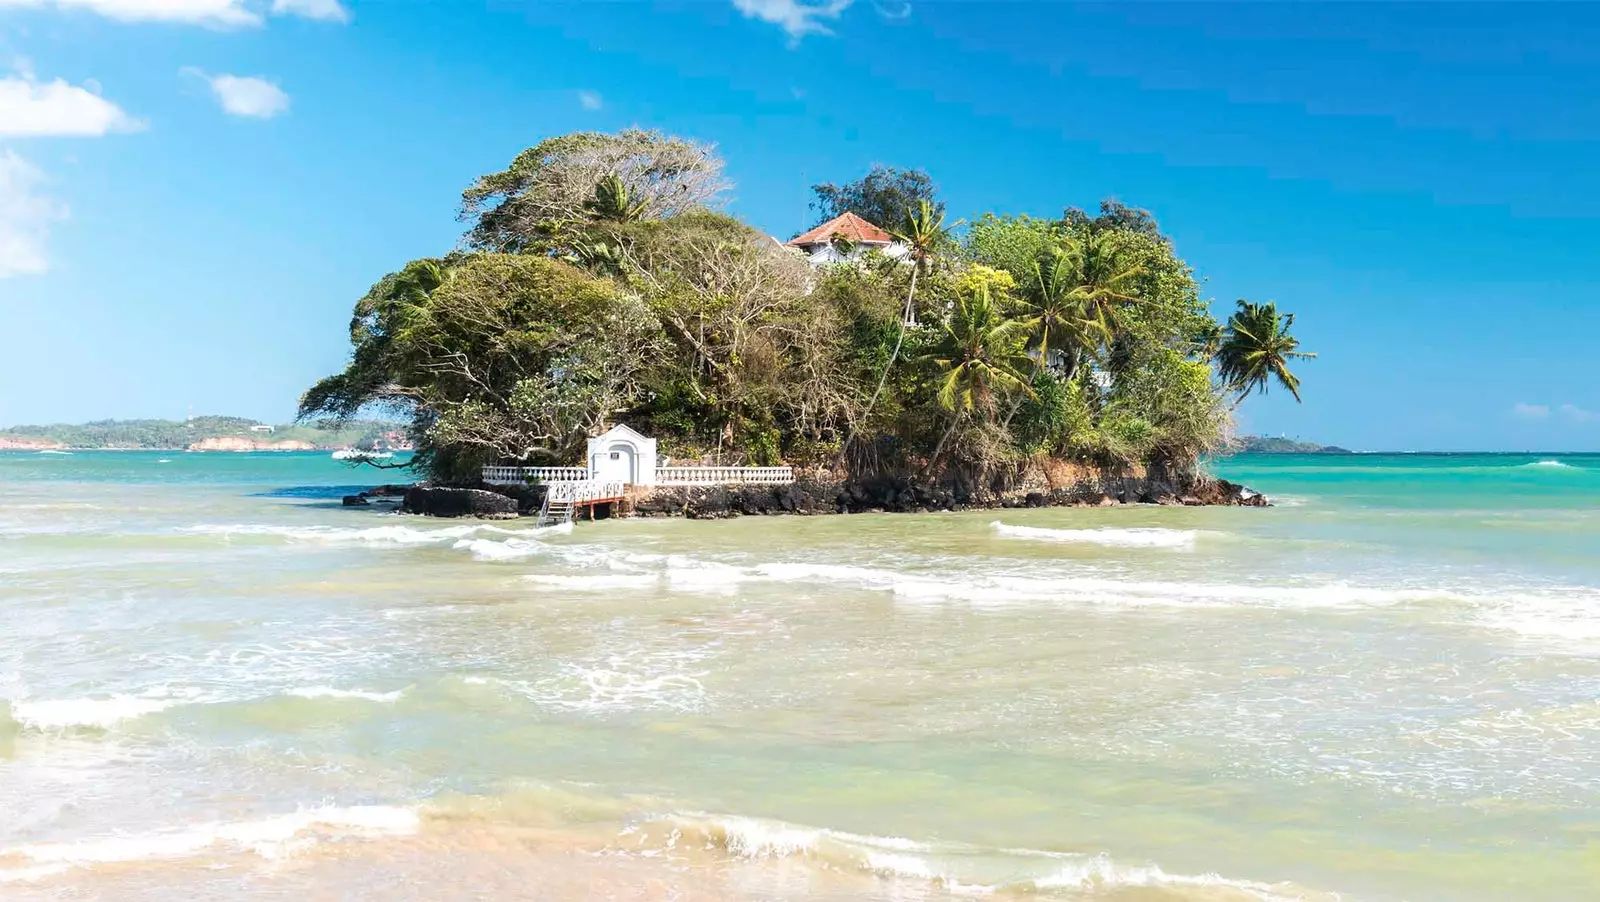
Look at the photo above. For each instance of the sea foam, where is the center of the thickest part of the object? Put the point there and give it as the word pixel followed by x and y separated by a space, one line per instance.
pixel 272 837
pixel 91 713
pixel 374 535
pixel 948 865
pixel 1124 537
pixel 321 692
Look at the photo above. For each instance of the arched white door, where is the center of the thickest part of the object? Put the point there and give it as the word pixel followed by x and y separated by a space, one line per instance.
pixel 614 464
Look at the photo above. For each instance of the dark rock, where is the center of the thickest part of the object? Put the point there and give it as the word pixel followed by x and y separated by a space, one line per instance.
pixel 447 502
pixel 356 501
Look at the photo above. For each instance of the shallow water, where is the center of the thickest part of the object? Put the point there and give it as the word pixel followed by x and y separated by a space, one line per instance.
pixel 218 683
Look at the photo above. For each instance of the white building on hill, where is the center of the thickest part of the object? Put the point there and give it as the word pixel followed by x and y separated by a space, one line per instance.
pixel 844 238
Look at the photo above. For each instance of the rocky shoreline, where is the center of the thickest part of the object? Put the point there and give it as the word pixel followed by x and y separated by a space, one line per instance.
pixel 819 492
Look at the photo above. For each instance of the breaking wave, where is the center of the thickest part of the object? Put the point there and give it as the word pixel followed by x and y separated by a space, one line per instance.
pixel 1132 537
pixel 94 713
pixel 375 535
pixel 315 692
pixel 272 837
pixel 102 713
pixel 957 868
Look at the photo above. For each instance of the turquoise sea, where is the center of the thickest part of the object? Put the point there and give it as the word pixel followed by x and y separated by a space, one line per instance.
pixel 218 683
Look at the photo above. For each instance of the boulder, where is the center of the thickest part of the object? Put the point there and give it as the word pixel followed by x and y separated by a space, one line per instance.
pixel 447 502
pixel 356 501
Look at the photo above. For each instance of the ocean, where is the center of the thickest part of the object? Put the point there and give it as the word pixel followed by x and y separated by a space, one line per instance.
pixel 217 683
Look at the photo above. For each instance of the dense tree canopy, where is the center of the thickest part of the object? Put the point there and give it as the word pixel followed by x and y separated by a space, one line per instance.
pixel 552 186
pixel 881 197
pixel 598 287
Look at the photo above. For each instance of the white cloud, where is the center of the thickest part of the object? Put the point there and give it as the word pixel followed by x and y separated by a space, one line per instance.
pixel 25 217
pixel 1524 411
pixel 895 10
pixel 590 100
pixel 216 13
pixel 31 109
pixel 797 17
pixel 245 95
pixel 323 10
pixel 1577 414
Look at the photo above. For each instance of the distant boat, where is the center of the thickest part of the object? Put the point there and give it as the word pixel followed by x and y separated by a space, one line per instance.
pixel 358 454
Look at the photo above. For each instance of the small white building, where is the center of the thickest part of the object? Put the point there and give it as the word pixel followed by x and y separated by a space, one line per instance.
pixel 844 238
pixel 623 455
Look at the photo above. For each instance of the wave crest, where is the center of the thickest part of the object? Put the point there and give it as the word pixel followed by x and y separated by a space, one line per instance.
pixel 1118 537
pixel 272 837
pixel 956 867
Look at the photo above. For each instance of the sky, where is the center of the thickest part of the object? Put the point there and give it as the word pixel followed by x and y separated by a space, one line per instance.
pixel 193 193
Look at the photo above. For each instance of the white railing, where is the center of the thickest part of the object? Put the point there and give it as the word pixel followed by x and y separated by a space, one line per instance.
pixel 580 491
pixel 664 475
pixel 518 475
pixel 724 475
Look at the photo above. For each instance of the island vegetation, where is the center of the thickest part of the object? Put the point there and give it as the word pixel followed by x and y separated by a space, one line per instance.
pixel 177 435
pixel 1266 444
pixel 598 281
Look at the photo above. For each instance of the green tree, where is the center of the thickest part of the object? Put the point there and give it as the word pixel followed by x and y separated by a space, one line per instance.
pixel 881 197
pixel 1012 243
pixel 1256 349
pixel 979 355
pixel 532 204
pixel 1061 315
pixel 923 231
pixel 1105 272
pixel 614 202
pixel 508 357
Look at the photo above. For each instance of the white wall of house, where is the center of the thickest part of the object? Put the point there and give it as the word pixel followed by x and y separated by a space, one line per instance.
pixel 624 455
pixel 823 254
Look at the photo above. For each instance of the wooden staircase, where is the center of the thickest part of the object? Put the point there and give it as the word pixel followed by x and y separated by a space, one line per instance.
pixel 553 513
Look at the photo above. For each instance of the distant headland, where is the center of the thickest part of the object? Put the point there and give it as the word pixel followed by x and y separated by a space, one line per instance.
pixel 1266 444
pixel 205 433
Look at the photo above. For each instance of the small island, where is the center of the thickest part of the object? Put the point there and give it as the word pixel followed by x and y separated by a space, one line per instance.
pixel 1266 444
pixel 884 359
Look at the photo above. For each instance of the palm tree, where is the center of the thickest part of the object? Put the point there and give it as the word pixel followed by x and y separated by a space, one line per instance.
pixel 1256 349
pixel 923 231
pixel 613 202
pixel 1102 265
pixel 1061 314
pixel 979 355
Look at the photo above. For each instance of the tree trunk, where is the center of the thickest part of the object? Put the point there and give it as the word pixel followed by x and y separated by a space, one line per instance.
pixel 906 321
pixel 938 450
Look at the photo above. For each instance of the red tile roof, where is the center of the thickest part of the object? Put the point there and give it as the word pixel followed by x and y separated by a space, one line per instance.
pixel 850 227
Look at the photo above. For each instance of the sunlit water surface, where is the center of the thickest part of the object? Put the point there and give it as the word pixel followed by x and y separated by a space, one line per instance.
pixel 216 682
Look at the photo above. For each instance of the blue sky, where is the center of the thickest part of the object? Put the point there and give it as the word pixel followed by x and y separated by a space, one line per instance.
pixel 194 192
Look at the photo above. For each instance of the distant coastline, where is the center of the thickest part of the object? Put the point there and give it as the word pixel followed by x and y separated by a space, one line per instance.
pixel 207 433
pixel 1263 444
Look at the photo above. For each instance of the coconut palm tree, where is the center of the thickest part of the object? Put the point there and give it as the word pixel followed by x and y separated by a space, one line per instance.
pixel 1256 350
pixel 979 356
pixel 613 202
pixel 1103 265
pixel 923 231
pixel 1061 314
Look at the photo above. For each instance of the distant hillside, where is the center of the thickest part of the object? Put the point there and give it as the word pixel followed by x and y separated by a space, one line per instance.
pixel 175 435
pixel 1262 444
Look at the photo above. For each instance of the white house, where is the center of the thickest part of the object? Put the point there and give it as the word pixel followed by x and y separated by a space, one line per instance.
pixel 623 455
pixel 844 238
